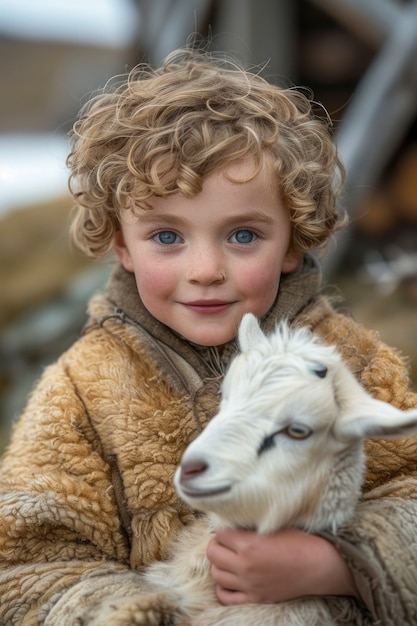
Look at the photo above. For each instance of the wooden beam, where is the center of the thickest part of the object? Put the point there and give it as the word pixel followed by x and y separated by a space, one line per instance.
pixel 369 20
pixel 378 117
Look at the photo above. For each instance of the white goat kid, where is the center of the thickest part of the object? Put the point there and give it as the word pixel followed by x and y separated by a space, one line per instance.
pixel 285 449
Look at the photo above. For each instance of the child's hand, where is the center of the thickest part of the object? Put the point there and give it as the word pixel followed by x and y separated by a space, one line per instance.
pixel 248 567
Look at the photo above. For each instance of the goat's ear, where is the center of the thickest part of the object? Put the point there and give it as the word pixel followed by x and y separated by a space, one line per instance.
pixel 376 419
pixel 250 333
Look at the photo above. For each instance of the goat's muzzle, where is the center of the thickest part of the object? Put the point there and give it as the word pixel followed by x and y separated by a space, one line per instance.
pixel 193 483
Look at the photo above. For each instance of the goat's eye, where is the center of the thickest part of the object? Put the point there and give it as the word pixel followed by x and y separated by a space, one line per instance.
pixel 298 431
pixel 320 371
pixel 294 431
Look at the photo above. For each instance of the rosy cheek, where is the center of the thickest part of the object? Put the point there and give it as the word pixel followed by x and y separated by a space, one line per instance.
pixel 262 285
pixel 261 278
pixel 154 282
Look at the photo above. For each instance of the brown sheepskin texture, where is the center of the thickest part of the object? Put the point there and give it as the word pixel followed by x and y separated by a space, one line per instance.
pixel 86 491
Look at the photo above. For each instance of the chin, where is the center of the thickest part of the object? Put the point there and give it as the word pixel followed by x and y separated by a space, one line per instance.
pixel 210 340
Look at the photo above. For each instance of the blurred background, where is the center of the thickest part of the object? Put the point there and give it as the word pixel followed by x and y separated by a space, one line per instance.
pixel 359 57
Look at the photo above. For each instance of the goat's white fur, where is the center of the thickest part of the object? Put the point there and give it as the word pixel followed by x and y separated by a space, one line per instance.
pixel 285 449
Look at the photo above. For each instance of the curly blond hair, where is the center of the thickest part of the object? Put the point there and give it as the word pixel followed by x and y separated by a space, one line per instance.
pixel 163 131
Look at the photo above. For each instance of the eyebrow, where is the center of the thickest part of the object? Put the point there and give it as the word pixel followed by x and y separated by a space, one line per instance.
pixel 150 217
pixel 258 216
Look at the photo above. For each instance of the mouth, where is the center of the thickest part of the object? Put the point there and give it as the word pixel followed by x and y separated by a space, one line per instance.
pixel 195 492
pixel 208 307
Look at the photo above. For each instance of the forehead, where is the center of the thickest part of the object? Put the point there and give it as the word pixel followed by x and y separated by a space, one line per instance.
pixel 275 401
pixel 236 189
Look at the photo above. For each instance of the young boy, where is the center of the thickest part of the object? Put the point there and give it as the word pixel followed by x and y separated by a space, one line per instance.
pixel 212 187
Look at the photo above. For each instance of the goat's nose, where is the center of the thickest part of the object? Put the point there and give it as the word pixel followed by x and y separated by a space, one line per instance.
pixel 192 469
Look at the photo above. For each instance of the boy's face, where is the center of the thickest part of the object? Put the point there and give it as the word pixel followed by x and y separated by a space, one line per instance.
pixel 201 263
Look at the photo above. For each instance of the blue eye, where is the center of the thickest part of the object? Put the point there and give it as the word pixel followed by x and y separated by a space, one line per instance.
pixel 243 236
pixel 166 237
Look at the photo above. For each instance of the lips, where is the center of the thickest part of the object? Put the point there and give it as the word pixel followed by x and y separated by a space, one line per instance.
pixel 208 307
pixel 195 492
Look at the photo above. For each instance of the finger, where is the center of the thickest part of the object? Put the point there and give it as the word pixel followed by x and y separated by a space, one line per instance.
pixel 225 579
pixel 220 556
pixel 228 538
pixel 236 540
pixel 226 596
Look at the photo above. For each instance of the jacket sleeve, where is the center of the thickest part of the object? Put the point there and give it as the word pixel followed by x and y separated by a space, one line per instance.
pixel 380 543
pixel 381 550
pixel 62 545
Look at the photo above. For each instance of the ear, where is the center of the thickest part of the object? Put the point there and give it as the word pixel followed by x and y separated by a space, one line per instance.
pixel 250 333
pixel 290 263
pixel 122 251
pixel 374 418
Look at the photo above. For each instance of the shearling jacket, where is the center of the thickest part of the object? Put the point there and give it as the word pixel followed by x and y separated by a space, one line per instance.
pixel 86 492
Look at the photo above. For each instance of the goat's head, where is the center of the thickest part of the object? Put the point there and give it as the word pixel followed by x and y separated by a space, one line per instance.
pixel 286 445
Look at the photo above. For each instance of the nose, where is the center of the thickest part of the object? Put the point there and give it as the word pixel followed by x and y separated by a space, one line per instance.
pixel 192 469
pixel 205 265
